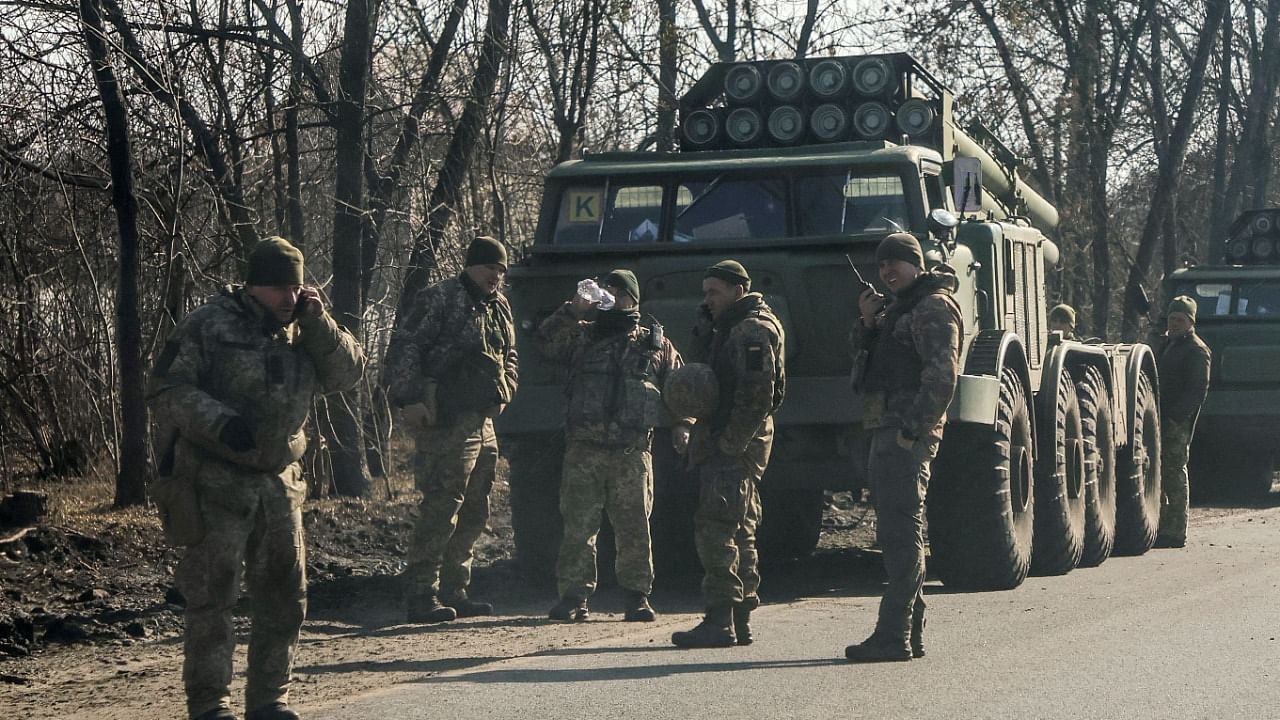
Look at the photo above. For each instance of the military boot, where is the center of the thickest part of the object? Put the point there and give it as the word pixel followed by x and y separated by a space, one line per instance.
pixel 218 713
pixel 464 606
pixel 713 632
pixel 428 609
pixel 274 711
pixel 570 609
pixel 638 608
pixel 880 648
pixel 917 631
pixel 742 620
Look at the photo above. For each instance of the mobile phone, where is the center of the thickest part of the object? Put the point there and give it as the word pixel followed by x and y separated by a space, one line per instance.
pixel 299 307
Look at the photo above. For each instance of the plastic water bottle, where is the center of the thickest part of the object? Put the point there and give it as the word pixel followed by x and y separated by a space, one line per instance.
pixel 593 293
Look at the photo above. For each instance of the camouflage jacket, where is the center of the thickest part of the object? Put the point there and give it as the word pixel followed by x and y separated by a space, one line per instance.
pixel 1184 376
pixel 912 358
pixel 229 358
pixel 464 342
pixel 613 396
pixel 746 352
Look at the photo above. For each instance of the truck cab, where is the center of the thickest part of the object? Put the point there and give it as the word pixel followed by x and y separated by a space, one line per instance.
pixel 1233 453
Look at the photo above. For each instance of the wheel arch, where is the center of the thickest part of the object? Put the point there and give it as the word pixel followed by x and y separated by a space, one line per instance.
pixel 989 353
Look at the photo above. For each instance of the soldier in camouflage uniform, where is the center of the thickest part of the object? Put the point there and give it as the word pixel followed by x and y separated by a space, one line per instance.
pixel 613 402
pixel 1184 381
pixel 742 340
pixel 912 350
pixel 230 393
pixel 451 368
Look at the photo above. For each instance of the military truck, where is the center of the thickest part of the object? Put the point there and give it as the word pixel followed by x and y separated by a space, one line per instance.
pixel 1233 454
pixel 797 169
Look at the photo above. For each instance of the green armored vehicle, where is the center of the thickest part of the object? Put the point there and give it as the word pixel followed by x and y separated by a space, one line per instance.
pixel 796 169
pixel 1238 314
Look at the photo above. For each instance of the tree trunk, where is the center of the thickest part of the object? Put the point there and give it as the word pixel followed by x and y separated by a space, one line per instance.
pixel 350 477
pixel 668 47
pixel 297 220
pixel 1264 74
pixel 131 479
pixel 462 147
pixel 1215 225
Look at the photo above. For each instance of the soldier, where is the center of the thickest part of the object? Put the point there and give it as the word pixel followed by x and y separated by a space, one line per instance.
pixel 913 347
pixel 613 402
pixel 1184 380
pixel 742 340
pixel 230 393
pixel 451 368
pixel 1062 318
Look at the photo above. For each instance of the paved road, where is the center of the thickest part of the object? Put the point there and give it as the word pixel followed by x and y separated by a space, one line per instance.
pixel 1175 634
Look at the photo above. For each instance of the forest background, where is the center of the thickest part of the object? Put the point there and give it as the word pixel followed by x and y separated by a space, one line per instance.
pixel 146 145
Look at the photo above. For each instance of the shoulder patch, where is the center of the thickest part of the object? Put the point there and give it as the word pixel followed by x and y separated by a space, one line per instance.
pixel 755 356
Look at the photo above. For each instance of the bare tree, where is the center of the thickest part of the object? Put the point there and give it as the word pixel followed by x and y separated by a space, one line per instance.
pixel 571 52
pixel 131 479
pixel 449 182
pixel 1171 151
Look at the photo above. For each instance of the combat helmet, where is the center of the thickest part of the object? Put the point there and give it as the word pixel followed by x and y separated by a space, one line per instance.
pixel 692 391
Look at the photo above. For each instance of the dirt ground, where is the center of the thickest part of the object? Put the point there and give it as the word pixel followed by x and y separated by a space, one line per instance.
pixel 90 627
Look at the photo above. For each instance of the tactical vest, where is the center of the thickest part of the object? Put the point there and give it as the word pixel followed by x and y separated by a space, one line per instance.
pixel 473 377
pixel 726 373
pixel 894 363
pixel 612 397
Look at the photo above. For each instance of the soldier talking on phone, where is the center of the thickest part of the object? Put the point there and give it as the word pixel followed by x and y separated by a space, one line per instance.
pixel 230 393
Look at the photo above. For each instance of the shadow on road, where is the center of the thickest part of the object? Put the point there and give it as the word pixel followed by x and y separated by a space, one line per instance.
pixel 640 672
pixel 417 666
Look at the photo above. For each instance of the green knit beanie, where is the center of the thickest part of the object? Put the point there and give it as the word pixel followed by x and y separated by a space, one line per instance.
pixel 901 246
pixel 1184 304
pixel 486 251
pixel 1063 313
pixel 730 271
pixel 274 262
pixel 624 279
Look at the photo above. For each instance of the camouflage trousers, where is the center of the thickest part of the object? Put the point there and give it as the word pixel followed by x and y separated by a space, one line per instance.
pixel 724 525
pixel 618 481
pixel 1175 447
pixel 899 481
pixel 253 527
pixel 454 469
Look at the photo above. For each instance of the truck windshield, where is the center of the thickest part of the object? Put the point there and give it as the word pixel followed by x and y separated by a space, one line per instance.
pixel 1259 299
pixel 734 207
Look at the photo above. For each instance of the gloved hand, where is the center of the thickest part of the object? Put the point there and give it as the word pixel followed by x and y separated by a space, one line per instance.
pixel 421 414
pixel 417 415
pixel 237 435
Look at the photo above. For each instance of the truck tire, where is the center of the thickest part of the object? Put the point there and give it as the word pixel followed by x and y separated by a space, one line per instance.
pixel 791 521
pixel 1060 490
pixel 1100 468
pixel 536 463
pixel 1138 491
pixel 981 504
